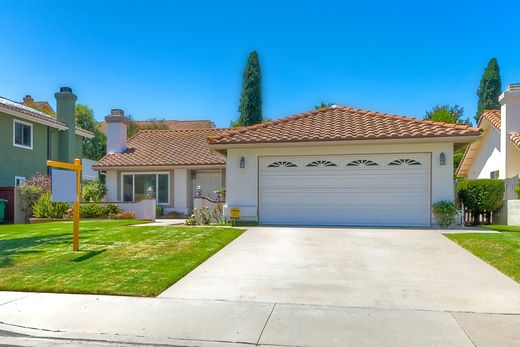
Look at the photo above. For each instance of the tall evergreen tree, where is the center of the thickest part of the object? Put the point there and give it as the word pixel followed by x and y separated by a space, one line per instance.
pixel 251 99
pixel 489 89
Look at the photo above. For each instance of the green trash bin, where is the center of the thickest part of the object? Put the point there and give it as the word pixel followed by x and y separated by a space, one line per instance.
pixel 3 205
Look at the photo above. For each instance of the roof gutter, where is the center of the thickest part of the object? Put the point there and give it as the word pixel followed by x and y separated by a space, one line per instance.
pixel 159 167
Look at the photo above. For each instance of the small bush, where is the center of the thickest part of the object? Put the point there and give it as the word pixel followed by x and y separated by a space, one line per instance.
pixel 445 212
pixel 93 191
pixel 112 210
pixel 31 190
pixel 125 215
pixel 94 210
pixel 45 208
pixel 200 216
pixel 517 189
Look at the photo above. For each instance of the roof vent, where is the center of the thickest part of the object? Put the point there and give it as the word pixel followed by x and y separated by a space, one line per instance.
pixel 117 112
pixel 65 90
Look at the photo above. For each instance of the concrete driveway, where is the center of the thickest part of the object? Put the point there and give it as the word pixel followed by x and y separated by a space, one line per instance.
pixel 364 268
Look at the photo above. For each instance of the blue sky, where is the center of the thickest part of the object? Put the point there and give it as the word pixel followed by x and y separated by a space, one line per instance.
pixel 184 60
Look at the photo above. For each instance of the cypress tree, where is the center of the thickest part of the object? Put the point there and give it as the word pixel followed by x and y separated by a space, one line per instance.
pixel 489 89
pixel 251 99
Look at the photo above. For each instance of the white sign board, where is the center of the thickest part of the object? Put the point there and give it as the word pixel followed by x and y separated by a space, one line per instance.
pixel 63 184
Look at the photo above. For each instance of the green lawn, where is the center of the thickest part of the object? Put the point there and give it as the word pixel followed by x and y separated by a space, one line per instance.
pixel 501 250
pixel 115 258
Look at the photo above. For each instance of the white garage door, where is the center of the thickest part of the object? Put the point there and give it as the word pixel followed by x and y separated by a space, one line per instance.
pixel 386 190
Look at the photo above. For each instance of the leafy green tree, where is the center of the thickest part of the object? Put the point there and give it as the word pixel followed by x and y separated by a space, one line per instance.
pixel 447 113
pixel 94 148
pixel 489 89
pixel 323 105
pixel 93 191
pixel 251 100
pixel 153 124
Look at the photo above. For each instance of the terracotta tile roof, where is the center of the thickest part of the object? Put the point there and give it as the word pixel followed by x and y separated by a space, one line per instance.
pixel 174 124
pixel 338 123
pixel 166 148
pixel 516 139
pixel 492 116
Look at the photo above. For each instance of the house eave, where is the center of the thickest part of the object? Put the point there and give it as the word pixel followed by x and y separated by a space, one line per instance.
pixel 32 118
pixel 159 167
pixel 450 139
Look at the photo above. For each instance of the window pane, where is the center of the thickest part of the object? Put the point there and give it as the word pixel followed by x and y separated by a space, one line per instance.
pixel 145 186
pixel 18 133
pixel 128 188
pixel 162 195
pixel 26 135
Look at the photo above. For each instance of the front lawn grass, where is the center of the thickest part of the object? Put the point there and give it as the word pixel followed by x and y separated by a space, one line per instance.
pixel 114 257
pixel 501 250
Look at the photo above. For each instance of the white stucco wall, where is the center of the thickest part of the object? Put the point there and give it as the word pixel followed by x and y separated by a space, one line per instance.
pixel 510 124
pixel 242 184
pixel 489 157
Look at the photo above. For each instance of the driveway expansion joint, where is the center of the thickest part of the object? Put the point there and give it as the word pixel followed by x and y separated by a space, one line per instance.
pixel 464 330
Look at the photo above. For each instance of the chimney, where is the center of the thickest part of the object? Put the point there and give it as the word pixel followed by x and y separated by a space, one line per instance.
pixel 28 100
pixel 117 125
pixel 510 124
pixel 66 113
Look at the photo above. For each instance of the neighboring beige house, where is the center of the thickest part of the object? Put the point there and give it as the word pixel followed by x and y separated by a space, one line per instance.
pixel 340 166
pixel 167 165
pixel 497 153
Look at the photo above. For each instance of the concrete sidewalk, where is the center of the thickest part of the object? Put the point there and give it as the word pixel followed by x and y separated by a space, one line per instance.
pixel 32 319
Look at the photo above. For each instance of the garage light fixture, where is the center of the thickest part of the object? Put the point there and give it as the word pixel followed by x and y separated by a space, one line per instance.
pixel 242 162
pixel 442 158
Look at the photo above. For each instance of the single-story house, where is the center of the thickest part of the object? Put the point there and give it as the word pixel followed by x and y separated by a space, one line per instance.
pixel 167 165
pixel 497 153
pixel 340 166
pixel 332 166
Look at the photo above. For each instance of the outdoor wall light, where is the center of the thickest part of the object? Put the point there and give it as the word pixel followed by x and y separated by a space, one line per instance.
pixel 442 158
pixel 198 191
pixel 242 162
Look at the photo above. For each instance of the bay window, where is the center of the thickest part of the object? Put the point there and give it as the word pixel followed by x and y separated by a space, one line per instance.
pixel 138 186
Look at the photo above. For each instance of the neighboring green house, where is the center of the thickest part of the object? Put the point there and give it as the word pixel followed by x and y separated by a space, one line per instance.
pixel 28 138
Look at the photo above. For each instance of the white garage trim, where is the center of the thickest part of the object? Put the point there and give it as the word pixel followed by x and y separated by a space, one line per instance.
pixel 362 189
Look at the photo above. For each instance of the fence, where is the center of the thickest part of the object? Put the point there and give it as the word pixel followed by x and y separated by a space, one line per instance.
pixel 510 184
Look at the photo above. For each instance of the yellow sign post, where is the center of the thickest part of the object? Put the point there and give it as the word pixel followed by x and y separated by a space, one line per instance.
pixel 77 168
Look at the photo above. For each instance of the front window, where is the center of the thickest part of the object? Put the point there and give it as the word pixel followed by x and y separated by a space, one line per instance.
pixel 22 134
pixel 146 186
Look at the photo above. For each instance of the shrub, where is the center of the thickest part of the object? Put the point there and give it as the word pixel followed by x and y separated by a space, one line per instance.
pixel 31 191
pixel 93 191
pixel 481 197
pixel 112 210
pixel 125 215
pixel 445 212
pixel 158 211
pixel 517 189
pixel 200 216
pixel 94 210
pixel 45 208
pixel 484 195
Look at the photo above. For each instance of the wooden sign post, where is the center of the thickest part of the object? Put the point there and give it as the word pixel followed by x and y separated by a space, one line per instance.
pixel 77 168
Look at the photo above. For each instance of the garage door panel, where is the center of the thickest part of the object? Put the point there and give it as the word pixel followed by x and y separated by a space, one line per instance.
pixel 381 194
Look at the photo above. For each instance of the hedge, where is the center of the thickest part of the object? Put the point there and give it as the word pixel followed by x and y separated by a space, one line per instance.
pixel 482 195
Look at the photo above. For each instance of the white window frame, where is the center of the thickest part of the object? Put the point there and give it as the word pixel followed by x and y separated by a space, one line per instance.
pixel 18 180
pixel 156 173
pixel 14 134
